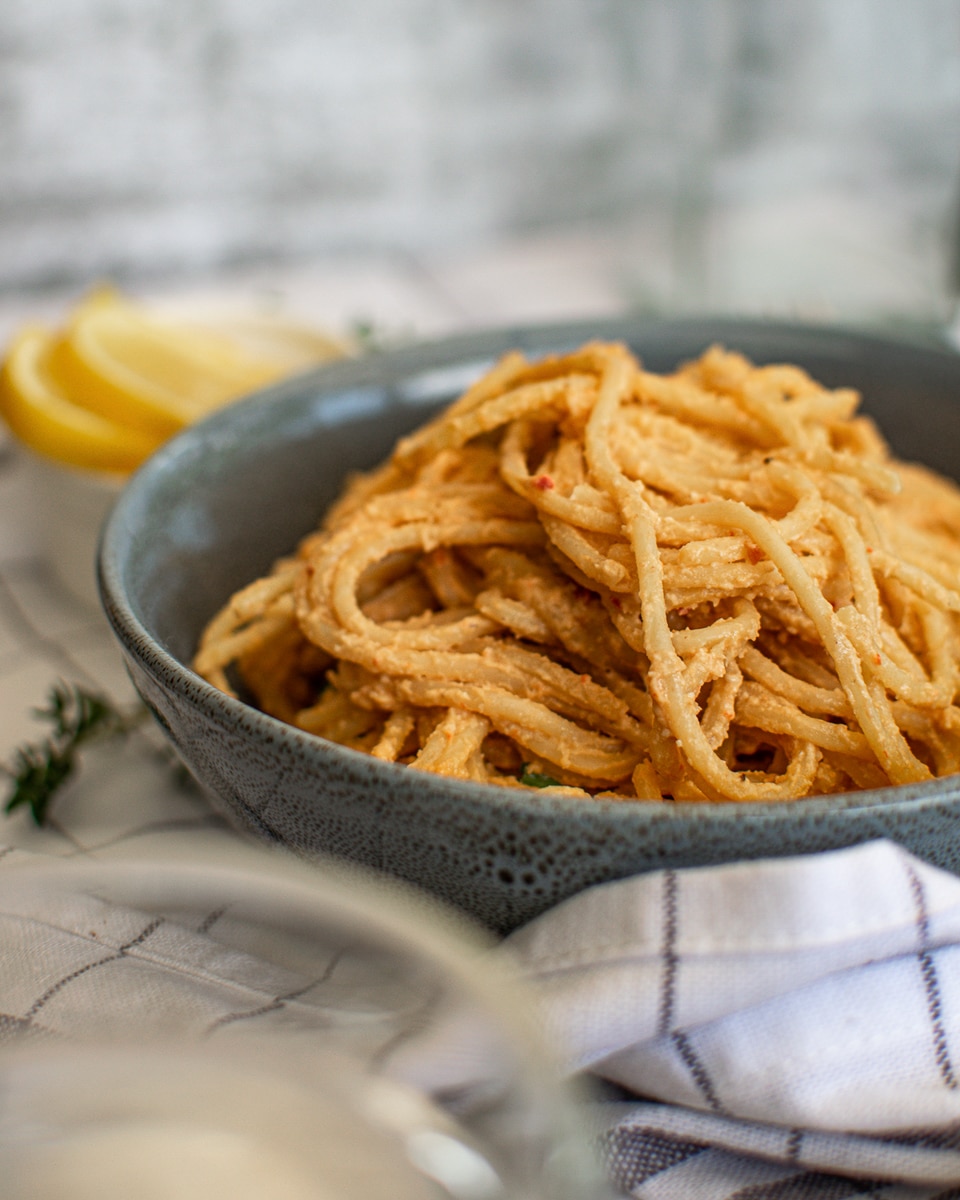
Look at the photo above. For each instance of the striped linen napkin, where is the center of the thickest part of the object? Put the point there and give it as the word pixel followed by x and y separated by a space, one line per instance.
pixel 772 1030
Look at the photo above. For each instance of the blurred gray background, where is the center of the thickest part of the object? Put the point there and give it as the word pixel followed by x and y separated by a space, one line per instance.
pixel 768 155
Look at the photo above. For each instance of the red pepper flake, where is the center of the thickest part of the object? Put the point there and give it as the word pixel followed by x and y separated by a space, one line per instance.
pixel 754 553
pixel 543 482
pixel 877 659
pixel 616 602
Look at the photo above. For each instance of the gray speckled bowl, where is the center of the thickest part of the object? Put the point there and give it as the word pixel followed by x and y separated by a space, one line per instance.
pixel 214 508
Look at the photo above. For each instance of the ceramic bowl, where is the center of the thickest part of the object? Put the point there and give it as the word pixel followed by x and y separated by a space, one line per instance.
pixel 220 502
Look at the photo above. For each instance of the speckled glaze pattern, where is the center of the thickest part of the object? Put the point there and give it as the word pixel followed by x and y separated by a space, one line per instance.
pixel 216 505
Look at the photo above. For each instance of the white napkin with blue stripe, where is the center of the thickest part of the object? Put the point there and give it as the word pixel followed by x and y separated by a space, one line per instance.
pixel 776 1029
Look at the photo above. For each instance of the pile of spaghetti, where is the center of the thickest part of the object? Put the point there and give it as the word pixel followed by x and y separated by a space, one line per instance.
pixel 710 585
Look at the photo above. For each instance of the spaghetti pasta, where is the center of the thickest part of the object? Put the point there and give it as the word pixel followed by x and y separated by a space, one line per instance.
pixel 716 584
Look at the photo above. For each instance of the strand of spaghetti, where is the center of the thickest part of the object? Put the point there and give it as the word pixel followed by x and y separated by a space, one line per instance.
pixel 928 550
pixel 278 673
pixel 866 595
pixel 599 706
pixel 360 489
pixel 946 760
pixel 525 674
pixel 643 425
pixel 443 501
pixel 720 709
pixel 459 429
pixel 863 774
pixel 579 548
pixel 425 535
pixel 219 652
pixel 711 662
pixel 826 407
pixel 803 695
pixel 922 730
pixel 449 580
pixel 690 403
pixel 416 446
pixel 765 710
pixel 531 725
pixel 892 752
pixel 522 620
pixel 250 602
pixel 335 716
pixel 453 744
pixel 725 578
pixel 917 580
pixel 396 730
pixel 744 624
pixel 704 668
pixel 920 692
pixel 666 684
pixel 599 515
pixel 808 510
pixel 706 552
pixel 878 478
pixel 782 420
pixel 638 701
pixel 578 620
pixel 845 495
pixel 941 639
pixel 645 782
pixel 899 652
pixel 668 473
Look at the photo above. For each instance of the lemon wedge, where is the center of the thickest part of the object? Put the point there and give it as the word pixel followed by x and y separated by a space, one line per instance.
pixel 120 378
pixel 129 366
pixel 47 420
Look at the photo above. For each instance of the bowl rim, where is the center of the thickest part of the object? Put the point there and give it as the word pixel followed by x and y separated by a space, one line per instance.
pixel 387 368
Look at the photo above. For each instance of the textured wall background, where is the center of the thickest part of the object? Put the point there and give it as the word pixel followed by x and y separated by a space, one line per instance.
pixel 725 141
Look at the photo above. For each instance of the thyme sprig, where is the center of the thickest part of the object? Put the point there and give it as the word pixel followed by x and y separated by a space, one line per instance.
pixel 77 717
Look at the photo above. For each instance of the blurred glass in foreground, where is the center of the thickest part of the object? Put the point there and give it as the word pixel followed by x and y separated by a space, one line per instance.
pixel 255 1027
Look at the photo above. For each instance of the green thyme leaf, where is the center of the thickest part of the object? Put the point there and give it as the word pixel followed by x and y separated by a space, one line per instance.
pixel 533 779
pixel 76 717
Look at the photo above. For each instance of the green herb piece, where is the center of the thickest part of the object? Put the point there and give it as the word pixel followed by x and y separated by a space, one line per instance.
pixel 77 717
pixel 368 337
pixel 532 779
